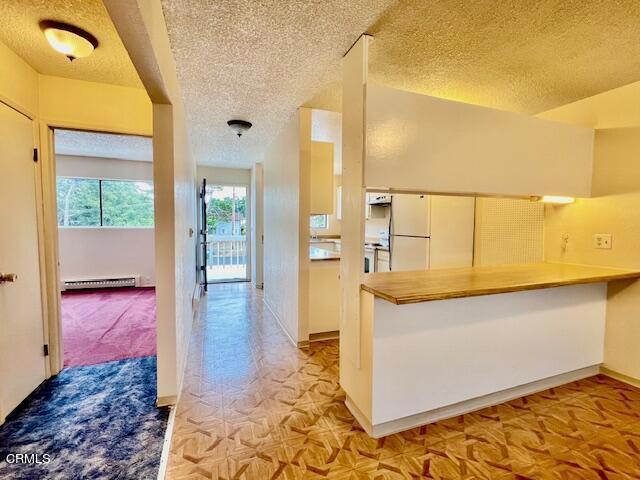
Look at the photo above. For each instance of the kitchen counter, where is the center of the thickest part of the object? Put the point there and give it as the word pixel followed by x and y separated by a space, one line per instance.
pixel 320 254
pixel 423 286
pixel 493 334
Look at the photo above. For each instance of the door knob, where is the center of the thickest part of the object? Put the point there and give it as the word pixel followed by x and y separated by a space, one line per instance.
pixel 8 277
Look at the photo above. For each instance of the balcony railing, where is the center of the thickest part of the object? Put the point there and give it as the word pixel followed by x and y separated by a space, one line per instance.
pixel 226 250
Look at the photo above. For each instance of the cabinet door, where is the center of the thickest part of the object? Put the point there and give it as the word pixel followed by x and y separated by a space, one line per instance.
pixel 382 265
pixel 452 230
pixel 321 188
pixel 410 215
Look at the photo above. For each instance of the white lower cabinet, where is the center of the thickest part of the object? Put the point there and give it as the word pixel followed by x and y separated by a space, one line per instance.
pixel 324 296
pixel 382 261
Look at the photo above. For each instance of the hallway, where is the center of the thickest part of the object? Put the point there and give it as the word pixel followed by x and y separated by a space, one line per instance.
pixel 255 407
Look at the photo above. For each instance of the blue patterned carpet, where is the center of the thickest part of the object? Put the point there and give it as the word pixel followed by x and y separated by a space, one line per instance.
pixel 96 422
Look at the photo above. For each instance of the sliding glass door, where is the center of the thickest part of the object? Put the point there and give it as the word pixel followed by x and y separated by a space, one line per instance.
pixel 226 233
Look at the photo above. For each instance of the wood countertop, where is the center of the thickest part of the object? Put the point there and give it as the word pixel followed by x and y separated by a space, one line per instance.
pixel 441 284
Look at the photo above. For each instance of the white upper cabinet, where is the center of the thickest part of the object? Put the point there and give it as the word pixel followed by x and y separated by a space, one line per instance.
pixel 322 187
pixel 420 143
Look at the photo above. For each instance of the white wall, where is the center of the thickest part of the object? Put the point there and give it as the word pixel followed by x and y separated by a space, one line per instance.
pixel 143 31
pixel 282 206
pixel 377 223
pixel 104 252
pixel 224 176
pixel 257 225
pixel 97 167
pixel 426 144
pixel 326 126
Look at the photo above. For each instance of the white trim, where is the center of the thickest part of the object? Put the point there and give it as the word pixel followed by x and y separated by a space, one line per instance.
pixel 406 423
pixel 166 444
pixel 266 302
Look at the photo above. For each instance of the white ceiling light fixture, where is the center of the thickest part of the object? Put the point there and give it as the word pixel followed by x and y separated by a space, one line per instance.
pixel 73 42
pixel 239 126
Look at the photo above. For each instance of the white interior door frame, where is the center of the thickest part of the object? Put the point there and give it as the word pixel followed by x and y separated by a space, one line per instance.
pixel 48 216
pixel 45 280
pixel 38 210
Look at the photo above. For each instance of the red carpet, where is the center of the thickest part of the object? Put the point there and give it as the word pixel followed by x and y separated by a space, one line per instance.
pixel 111 324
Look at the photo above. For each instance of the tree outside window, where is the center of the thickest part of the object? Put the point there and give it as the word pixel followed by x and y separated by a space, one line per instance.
pixel 226 210
pixel 84 202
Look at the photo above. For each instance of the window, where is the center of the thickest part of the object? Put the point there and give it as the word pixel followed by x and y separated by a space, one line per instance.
pixel 127 204
pixel 84 202
pixel 319 222
pixel 78 202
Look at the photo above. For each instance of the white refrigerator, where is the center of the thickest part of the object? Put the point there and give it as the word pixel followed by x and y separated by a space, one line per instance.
pixel 409 232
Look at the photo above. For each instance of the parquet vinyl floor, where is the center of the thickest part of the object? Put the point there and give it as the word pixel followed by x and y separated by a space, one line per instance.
pixel 254 407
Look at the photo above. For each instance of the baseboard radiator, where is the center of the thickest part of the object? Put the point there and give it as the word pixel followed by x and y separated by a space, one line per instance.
pixel 133 281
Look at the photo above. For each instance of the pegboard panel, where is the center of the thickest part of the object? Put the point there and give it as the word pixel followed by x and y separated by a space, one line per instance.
pixel 508 231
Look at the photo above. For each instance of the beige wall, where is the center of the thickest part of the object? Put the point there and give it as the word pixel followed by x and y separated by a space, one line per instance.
pixel 614 209
pixel 618 108
pixel 94 106
pixel 18 82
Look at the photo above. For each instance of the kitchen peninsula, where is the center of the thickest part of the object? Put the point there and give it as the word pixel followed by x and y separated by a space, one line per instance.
pixel 437 343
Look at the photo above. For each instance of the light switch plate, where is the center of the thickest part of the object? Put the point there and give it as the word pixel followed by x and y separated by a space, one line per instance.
pixel 602 241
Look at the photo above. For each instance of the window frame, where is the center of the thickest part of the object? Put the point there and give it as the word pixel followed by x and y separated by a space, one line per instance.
pixel 100 205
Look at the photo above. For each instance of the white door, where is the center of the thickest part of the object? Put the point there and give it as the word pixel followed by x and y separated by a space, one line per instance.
pixel 409 253
pixel 410 215
pixel 22 361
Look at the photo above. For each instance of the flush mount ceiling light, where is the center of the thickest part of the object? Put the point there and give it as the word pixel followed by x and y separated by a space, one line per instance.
pixel 239 126
pixel 73 42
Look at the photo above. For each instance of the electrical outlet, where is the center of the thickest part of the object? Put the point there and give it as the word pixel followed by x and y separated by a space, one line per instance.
pixel 602 241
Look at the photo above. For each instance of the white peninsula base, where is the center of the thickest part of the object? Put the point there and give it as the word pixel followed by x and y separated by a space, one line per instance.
pixel 424 362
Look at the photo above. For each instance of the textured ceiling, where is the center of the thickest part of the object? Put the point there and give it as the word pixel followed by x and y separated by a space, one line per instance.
pixel 256 61
pixel 519 55
pixel 109 63
pixel 259 60
pixel 104 145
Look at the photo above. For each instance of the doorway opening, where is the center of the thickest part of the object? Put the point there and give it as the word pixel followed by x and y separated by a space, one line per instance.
pixel 226 233
pixel 105 201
